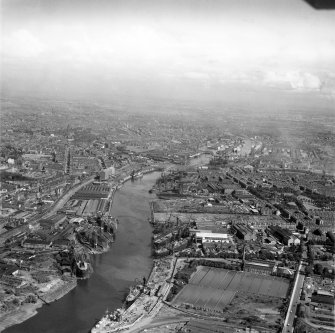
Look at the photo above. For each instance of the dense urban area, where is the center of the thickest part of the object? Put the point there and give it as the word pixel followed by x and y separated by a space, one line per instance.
pixel 242 222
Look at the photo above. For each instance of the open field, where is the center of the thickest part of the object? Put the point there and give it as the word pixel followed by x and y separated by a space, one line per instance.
pixel 214 288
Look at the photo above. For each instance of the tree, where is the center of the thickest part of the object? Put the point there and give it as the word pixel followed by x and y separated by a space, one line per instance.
pixel 308 270
pixel 290 257
pixel 326 257
pixel 16 301
pixel 31 299
pixel 318 269
pixel 325 271
pixel 310 254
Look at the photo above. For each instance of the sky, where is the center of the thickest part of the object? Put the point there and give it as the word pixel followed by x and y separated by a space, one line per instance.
pixel 166 48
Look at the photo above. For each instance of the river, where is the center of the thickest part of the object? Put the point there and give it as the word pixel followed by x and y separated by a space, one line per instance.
pixel 114 271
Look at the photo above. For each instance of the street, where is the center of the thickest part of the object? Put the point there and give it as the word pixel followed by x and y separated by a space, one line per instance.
pixel 294 301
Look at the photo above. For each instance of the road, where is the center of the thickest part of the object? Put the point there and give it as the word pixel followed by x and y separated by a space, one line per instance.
pixel 294 301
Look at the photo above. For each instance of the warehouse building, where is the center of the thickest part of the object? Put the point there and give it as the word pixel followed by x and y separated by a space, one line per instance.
pixel 244 231
pixel 259 267
pixel 284 236
pixel 208 237
pixel 107 173
pixel 323 297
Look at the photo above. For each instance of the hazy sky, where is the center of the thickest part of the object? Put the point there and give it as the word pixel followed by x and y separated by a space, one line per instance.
pixel 165 47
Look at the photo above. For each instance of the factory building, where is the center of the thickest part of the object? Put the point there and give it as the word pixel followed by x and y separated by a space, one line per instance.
pixel 244 231
pixel 207 237
pixel 107 173
pixel 323 297
pixel 284 236
pixel 259 267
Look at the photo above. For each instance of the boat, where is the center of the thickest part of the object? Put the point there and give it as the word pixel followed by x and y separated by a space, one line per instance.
pixel 134 293
pixel 81 269
pixel 137 175
pixel 108 321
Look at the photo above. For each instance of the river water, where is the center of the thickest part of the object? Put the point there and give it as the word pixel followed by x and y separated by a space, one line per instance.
pixel 128 258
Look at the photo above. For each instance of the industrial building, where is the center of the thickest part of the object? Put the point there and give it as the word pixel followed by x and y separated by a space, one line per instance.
pixel 259 267
pixel 208 236
pixel 284 236
pixel 244 231
pixel 36 244
pixel 323 297
pixel 107 173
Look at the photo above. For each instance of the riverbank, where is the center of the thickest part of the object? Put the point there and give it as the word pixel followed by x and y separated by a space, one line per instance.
pixel 26 311
pixel 114 270
pixel 59 290
pixel 17 316
pixel 146 305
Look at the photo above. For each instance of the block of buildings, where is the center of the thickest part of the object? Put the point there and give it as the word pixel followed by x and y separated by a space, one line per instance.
pixel 107 173
pixel 244 231
pixel 284 236
pixel 208 236
pixel 259 267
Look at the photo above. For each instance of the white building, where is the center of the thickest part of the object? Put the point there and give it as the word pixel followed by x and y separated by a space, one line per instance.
pixel 107 173
pixel 203 237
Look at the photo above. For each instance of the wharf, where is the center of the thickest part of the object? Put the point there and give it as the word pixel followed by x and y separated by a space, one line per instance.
pixel 147 305
pixel 58 293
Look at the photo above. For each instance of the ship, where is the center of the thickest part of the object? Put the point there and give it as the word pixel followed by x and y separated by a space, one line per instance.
pixel 82 269
pixel 137 175
pixel 82 266
pixel 134 293
pixel 108 321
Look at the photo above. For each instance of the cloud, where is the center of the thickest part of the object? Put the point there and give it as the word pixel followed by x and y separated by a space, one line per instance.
pixel 328 86
pixel 22 44
pixel 296 80
pixel 196 76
